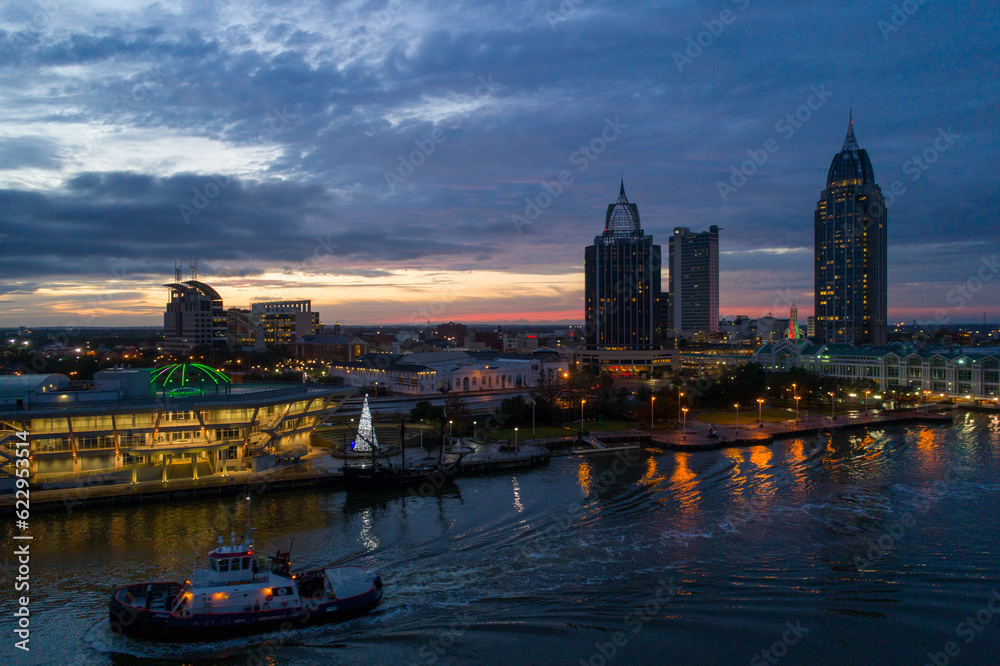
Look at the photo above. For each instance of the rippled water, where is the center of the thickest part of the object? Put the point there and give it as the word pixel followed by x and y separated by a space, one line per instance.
pixel 861 548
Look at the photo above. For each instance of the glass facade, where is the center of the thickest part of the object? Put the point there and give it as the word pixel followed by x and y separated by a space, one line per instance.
pixel 850 252
pixel 622 282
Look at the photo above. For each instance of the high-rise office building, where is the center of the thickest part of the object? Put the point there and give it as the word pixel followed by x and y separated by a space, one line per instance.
pixel 284 322
pixel 693 287
pixel 194 318
pixel 622 282
pixel 272 323
pixel 850 254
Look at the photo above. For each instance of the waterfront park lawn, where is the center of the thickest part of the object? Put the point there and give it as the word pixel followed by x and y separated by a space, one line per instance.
pixel 747 416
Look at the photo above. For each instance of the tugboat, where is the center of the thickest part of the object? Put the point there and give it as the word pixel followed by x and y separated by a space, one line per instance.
pixel 242 593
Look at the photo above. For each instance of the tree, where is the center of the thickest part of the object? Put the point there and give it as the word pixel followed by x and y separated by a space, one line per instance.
pixel 457 411
pixel 608 394
pixel 514 411
pixel 425 412
pixel 546 394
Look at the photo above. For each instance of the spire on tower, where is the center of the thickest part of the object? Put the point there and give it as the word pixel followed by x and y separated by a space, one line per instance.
pixel 850 143
pixel 622 219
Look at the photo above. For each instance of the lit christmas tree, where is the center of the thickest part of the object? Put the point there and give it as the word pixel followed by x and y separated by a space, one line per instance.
pixel 366 433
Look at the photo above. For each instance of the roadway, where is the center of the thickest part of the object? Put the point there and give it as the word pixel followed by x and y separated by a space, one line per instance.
pixel 478 402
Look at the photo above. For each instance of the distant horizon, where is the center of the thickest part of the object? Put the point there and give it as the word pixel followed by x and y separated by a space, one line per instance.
pixel 578 324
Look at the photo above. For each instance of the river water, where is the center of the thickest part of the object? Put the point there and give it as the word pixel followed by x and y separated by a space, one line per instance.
pixel 854 548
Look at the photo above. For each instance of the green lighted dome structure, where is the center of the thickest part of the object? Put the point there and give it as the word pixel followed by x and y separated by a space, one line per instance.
pixel 189 379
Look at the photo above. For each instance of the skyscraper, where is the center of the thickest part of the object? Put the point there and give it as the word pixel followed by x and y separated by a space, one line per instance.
pixel 850 254
pixel 194 318
pixel 693 298
pixel 622 282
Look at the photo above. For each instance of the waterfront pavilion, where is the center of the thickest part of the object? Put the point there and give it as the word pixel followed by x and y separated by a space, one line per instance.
pixel 131 426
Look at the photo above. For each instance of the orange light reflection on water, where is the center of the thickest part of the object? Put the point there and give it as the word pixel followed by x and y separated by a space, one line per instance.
pixel 583 476
pixel 930 460
pixel 652 475
pixel 684 482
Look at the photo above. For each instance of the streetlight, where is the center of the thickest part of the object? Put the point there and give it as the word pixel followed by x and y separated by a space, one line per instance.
pixel 737 406
pixel 515 440
pixel 866 402
pixel 679 396
pixel 474 430
pixel 831 406
pixel 760 412
pixel 451 437
pixel 532 419
pixel 685 411
pixel 652 404
pixel 797 408
pixel 581 413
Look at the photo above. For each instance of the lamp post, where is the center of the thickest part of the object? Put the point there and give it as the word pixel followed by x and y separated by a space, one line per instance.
pixel 866 401
pixel 532 419
pixel 581 414
pixel 474 436
pixel 652 404
pixel 760 412
pixel 451 437
pixel 832 413
pixel 685 412
pixel 679 396
pixel 794 394
pixel 737 406
pixel 797 408
pixel 515 440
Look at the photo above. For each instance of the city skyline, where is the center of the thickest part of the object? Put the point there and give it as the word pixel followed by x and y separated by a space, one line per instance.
pixel 396 165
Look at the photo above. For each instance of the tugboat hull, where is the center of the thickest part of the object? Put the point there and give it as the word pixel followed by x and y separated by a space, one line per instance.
pixel 132 619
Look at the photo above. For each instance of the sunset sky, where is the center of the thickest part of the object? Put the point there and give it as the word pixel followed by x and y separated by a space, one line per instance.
pixel 400 161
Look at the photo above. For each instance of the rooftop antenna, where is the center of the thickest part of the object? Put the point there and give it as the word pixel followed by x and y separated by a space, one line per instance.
pixel 194 268
pixel 177 271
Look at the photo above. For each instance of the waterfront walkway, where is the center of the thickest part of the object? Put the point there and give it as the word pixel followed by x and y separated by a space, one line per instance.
pixel 697 437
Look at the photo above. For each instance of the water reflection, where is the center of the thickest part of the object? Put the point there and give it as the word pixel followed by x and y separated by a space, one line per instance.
pixel 583 475
pixel 368 536
pixel 684 483
pixel 652 475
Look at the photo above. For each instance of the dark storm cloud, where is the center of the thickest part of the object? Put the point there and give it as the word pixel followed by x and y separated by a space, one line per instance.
pixel 123 215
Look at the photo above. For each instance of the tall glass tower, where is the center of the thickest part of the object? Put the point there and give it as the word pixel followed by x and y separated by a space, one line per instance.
pixel 850 251
pixel 622 282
